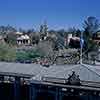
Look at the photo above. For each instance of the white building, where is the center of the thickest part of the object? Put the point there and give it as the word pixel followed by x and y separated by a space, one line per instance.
pixel 23 39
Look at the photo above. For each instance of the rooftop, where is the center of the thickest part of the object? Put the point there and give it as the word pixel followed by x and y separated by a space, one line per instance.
pixel 85 72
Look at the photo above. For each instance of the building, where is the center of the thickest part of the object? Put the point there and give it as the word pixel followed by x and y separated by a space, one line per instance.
pixel 23 39
pixel 72 82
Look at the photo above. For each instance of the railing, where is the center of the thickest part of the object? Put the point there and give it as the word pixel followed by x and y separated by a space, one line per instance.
pixel 16 74
pixel 65 81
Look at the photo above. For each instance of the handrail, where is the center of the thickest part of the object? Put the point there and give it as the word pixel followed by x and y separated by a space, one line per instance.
pixel 16 74
pixel 64 81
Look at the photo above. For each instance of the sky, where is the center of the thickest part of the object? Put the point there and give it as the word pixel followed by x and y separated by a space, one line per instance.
pixel 58 13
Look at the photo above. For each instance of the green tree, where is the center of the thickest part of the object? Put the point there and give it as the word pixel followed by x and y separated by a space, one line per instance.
pixel 11 38
pixel 35 38
pixel 91 26
pixel 72 31
pixel 7 53
pixel 21 56
pixel 78 33
pixel 24 55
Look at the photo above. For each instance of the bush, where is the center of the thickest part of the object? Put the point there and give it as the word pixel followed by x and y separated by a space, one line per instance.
pixel 27 55
pixel 7 53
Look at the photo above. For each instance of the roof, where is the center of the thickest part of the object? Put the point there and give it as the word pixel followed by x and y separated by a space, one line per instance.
pixel 85 72
pixel 76 38
pixel 22 37
pixel 19 33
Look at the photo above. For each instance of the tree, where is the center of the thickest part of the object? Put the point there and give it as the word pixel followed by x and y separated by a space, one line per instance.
pixel 4 30
pixel 60 38
pixel 91 26
pixel 43 30
pixel 30 31
pixel 72 31
pixel 10 29
pixel 21 56
pixel 78 33
pixel 35 38
pixel 61 32
pixel 7 53
pixel 11 38
pixel 25 55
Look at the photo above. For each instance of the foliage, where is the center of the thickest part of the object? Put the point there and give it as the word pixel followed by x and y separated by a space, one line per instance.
pixel 27 55
pixel 35 38
pixel 60 38
pixel 7 53
pixel 72 30
pixel 61 32
pixel 91 24
pixel 6 29
pixel 78 33
pixel 45 48
pixel 21 55
pixel 11 38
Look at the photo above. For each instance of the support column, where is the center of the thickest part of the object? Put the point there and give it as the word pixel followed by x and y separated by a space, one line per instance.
pixel 2 87
pixel 32 91
pixel 60 94
pixel 57 94
pixel 17 88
